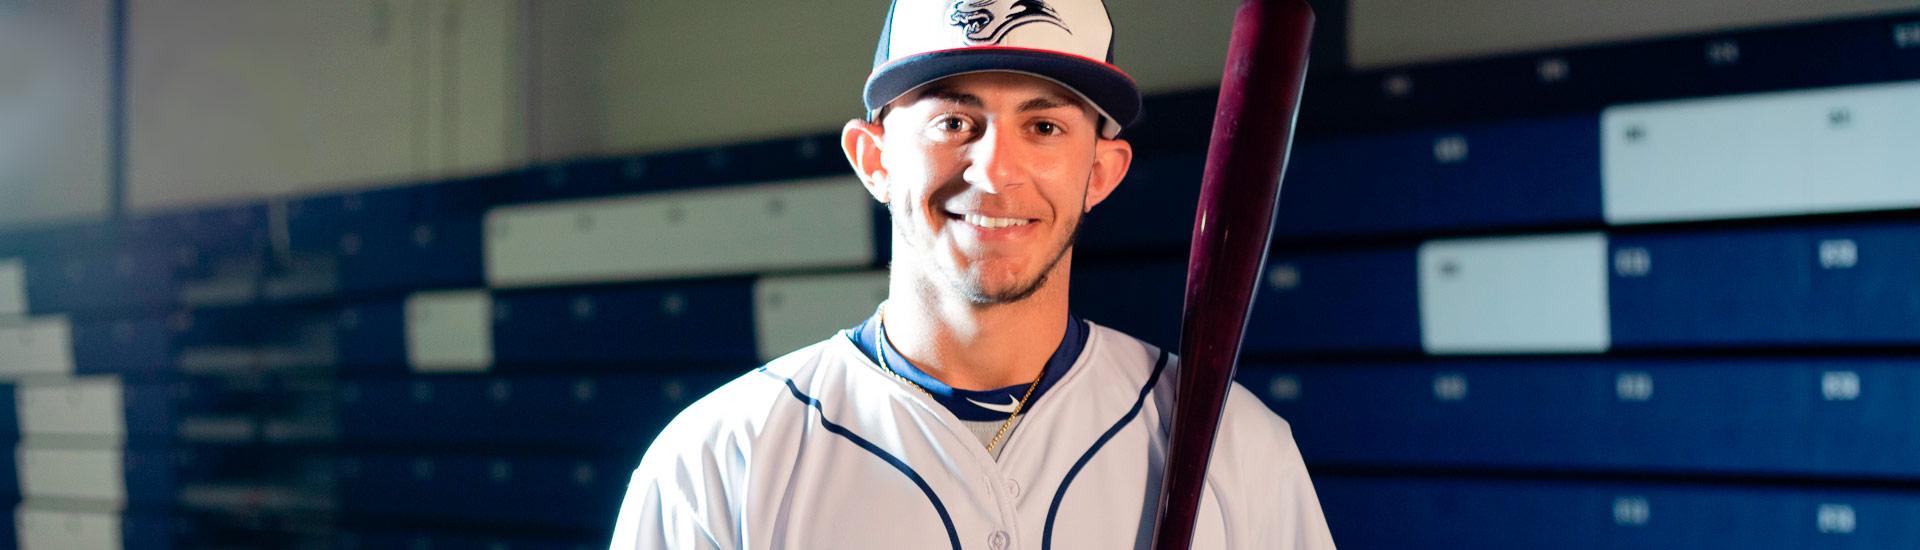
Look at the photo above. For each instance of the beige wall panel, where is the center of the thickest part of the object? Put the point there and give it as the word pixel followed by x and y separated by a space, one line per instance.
pixel 1398 32
pixel 53 111
pixel 240 99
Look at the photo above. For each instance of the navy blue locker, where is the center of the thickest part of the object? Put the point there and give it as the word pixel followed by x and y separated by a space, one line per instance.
pixel 778 159
pixel 1903 62
pixel 154 411
pixel 1698 289
pixel 1360 300
pixel 116 281
pixel 1151 211
pixel 1845 419
pixel 141 348
pixel 1532 513
pixel 622 411
pixel 1142 300
pixel 220 231
pixel 320 223
pixel 152 479
pixel 1865 286
pixel 1351 186
pixel 413 254
pixel 495 490
pixel 372 337
pixel 1524 173
pixel 9 415
pixel 464 539
pixel 788 158
pixel 707 322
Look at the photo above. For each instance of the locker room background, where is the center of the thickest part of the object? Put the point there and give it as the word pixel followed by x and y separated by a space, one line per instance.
pixel 429 274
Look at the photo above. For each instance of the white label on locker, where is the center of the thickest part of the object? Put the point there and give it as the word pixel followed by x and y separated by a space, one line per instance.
pixel 97 475
pixel 13 287
pixel 1631 511
pixel 1285 387
pixel 1633 386
pixel 1782 153
pixel 1450 387
pixel 450 331
pixel 52 529
pixel 1632 262
pixel 792 312
pixel 1906 36
pixel 1842 385
pixel 826 222
pixel 1535 294
pixel 88 406
pixel 38 345
pixel 1839 254
pixel 1834 519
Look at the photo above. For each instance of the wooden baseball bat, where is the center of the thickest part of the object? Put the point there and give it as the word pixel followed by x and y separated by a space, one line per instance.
pixel 1252 134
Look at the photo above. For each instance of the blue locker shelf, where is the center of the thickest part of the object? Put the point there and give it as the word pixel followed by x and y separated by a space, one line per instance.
pixel 1152 210
pixel 1524 173
pixel 372 337
pixel 1830 285
pixel 1573 515
pixel 496 490
pixel 1353 301
pixel 1360 300
pixel 123 280
pixel 708 322
pixel 611 412
pixel 465 539
pixel 1829 418
pixel 141 348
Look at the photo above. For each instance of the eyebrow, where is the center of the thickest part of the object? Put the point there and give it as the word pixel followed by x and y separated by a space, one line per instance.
pixel 1044 103
pixel 943 93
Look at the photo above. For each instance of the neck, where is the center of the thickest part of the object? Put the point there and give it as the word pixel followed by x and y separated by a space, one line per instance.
pixel 973 346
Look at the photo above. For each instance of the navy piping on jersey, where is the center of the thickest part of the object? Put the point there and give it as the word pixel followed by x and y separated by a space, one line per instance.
pixel 1046 534
pixel 953 535
pixel 966 404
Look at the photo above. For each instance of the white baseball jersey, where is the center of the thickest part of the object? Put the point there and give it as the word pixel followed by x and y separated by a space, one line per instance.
pixel 822 449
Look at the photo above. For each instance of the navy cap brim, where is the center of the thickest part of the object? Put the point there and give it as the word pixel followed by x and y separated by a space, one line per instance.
pixel 1110 91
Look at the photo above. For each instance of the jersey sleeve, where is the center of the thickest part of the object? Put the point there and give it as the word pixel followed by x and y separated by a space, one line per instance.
pixel 688 491
pixel 1275 497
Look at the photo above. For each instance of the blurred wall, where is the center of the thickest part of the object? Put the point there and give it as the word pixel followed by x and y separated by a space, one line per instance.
pixel 53 110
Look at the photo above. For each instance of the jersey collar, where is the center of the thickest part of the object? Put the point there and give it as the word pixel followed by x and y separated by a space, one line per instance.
pixel 973 405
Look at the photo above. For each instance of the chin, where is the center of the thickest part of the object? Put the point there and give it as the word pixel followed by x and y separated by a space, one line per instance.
pixel 999 290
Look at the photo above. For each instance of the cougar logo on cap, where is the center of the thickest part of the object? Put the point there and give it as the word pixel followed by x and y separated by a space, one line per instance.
pixel 978 18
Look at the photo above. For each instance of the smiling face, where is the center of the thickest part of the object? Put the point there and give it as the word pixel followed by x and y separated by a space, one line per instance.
pixel 987 176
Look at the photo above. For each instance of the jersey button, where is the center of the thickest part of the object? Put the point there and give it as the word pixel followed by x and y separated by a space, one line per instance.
pixel 998 540
pixel 1013 488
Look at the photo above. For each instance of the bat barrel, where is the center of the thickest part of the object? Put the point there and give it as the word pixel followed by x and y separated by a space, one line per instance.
pixel 1252 132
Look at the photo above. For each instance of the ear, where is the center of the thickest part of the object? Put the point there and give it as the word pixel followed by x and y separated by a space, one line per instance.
pixel 861 141
pixel 1111 158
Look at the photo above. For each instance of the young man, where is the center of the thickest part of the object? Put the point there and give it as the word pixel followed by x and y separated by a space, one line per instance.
pixel 973 410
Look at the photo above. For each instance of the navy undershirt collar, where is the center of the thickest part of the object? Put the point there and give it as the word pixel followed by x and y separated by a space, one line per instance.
pixel 967 404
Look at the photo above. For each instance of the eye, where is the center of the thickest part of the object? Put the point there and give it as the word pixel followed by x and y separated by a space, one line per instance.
pixel 1047 128
pixel 948 126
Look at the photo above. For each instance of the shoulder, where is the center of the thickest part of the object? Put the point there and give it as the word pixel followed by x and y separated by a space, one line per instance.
pixel 732 418
pixel 1135 359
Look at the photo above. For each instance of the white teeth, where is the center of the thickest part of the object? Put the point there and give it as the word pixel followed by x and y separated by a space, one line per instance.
pixel 992 223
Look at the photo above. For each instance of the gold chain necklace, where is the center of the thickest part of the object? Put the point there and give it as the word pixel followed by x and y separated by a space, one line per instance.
pixel 1018 408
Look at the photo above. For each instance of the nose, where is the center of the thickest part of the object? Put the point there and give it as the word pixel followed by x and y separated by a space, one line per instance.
pixel 995 164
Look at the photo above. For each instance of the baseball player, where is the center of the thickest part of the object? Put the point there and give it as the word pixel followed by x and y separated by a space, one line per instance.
pixel 973 410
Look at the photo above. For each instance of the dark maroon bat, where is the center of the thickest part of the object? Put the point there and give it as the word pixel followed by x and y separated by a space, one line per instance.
pixel 1252 133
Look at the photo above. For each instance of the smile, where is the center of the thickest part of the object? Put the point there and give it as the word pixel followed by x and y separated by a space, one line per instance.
pixel 990 222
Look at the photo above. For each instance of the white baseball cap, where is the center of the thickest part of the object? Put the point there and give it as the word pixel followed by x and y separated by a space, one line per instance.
pixel 1069 42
